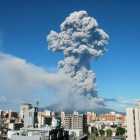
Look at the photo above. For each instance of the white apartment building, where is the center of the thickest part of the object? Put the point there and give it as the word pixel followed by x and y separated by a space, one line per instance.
pixel 75 113
pixel 133 123
pixel 23 108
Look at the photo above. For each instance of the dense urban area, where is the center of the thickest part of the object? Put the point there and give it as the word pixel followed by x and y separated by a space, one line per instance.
pixel 30 124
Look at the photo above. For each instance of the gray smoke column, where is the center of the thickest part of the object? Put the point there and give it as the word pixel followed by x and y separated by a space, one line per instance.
pixel 80 40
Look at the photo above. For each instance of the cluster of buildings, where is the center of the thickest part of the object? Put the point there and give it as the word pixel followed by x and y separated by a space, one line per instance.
pixel 30 124
pixel 112 117
pixel 37 125
pixel 78 121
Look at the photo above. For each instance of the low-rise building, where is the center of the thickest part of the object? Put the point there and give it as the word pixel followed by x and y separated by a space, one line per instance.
pixel 15 126
pixel 98 124
pixel 74 133
pixel 44 133
pixel 112 129
pixel 112 117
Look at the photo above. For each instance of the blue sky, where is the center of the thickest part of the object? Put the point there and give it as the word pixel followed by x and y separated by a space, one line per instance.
pixel 24 26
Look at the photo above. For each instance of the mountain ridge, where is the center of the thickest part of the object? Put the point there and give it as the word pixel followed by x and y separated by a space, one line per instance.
pixel 98 111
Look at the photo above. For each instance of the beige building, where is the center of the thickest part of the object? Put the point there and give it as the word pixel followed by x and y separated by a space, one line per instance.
pixel 91 116
pixel 10 114
pixel 94 116
pixel 133 123
pixel 75 122
pixel 45 113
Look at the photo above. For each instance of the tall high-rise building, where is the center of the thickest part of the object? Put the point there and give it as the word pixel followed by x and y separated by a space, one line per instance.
pixel 75 121
pixel 133 123
pixel 62 115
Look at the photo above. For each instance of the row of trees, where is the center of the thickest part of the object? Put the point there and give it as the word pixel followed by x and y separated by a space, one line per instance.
pixel 119 131
pixel 102 132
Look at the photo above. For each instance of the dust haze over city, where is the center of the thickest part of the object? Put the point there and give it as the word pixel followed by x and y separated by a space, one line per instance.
pixel 78 58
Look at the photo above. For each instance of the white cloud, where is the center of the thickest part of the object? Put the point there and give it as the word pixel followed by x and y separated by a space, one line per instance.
pixel 21 80
pixel 132 102
pixel 121 98
pixel 3 99
pixel 122 106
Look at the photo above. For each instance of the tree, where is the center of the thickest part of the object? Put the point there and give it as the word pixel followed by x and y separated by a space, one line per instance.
pixel 109 132
pixel 96 134
pixel 102 132
pixel 113 126
pixel 120 131
pixel 88 133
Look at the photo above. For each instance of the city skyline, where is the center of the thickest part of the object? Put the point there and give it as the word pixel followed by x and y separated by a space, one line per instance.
pixel 23 30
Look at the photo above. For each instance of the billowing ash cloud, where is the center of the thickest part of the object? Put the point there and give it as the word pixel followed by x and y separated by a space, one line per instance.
pixel 80 40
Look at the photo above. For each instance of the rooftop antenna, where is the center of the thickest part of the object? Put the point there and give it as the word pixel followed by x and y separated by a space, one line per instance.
pixel 37 102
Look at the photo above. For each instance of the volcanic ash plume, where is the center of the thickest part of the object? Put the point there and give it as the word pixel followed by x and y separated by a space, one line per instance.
pixel 80 40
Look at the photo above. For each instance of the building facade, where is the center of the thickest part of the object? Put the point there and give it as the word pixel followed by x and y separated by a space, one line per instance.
pixel 23 108
pixel 62 116
pixel 75 122
pixel 30 117
pixel 112 117
pixel 133 123
pixel 1 113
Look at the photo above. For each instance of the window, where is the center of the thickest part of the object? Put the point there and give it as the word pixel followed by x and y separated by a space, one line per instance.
pixel 30 114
